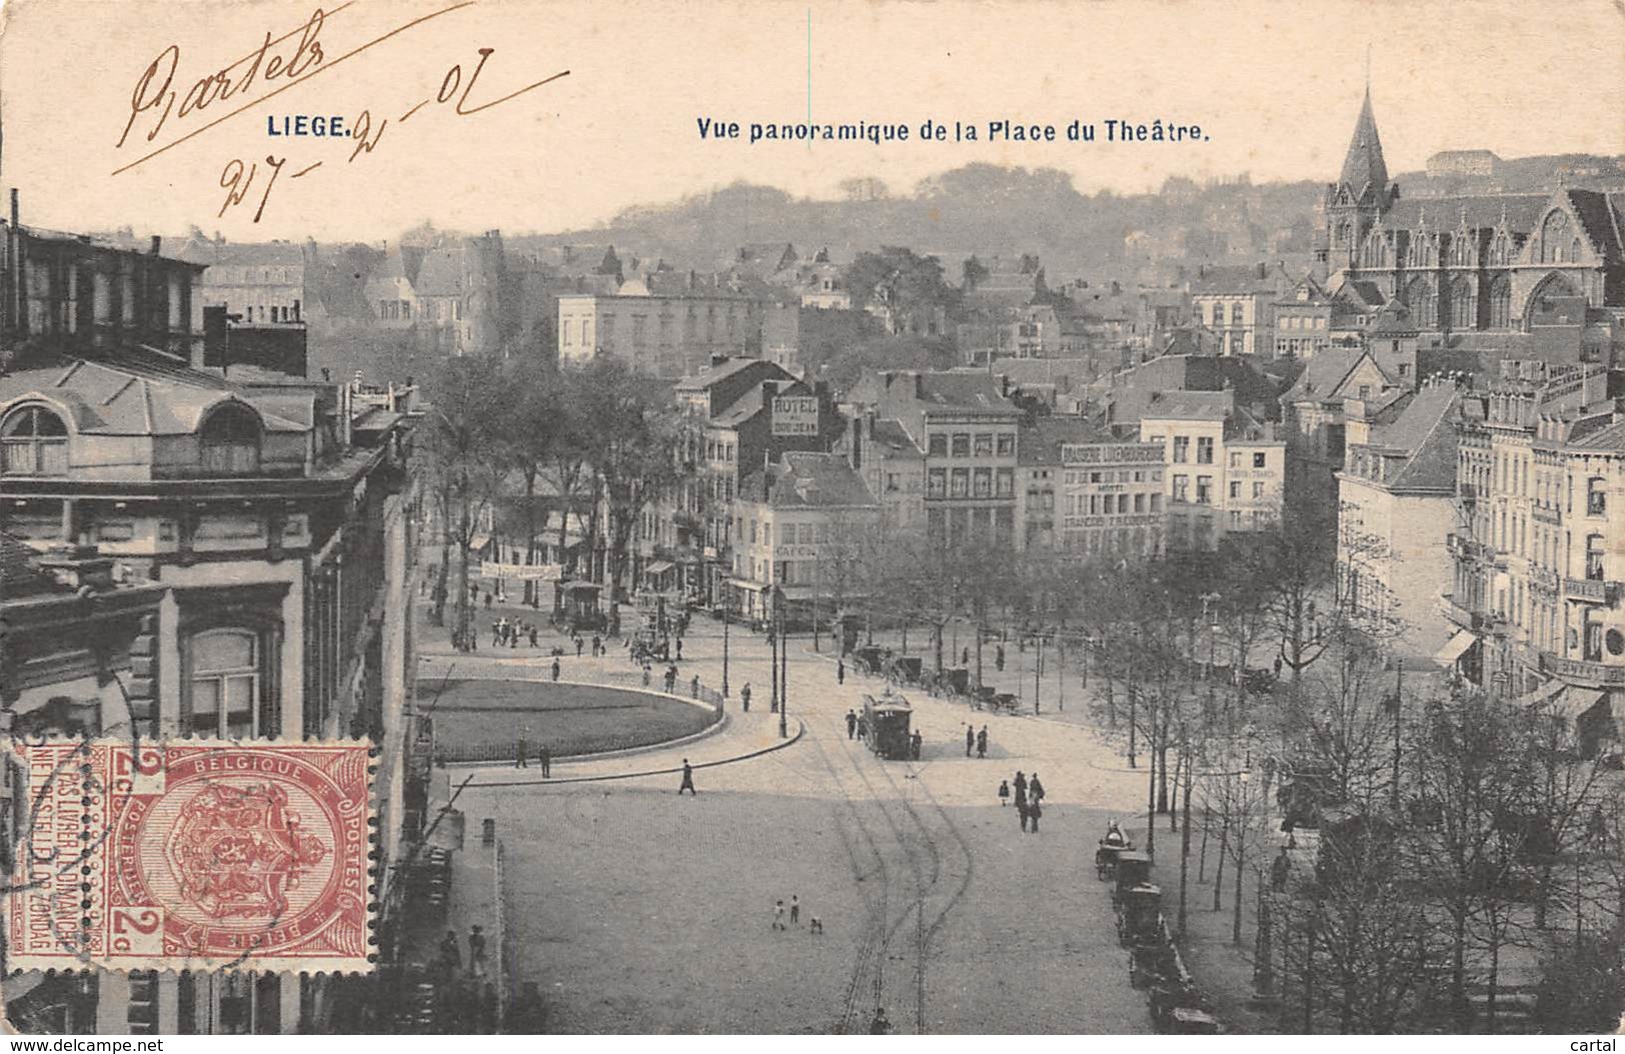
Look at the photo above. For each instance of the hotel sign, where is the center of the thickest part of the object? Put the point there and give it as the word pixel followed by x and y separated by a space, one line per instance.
pixel 1074 523
pixel 795 415
pixel 521 572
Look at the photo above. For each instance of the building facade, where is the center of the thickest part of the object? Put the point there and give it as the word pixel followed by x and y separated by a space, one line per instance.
pixel 1538 556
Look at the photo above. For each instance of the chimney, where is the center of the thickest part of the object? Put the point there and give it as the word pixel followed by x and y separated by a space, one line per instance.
pixel 919 385
pixel 157 244
pixel 718 360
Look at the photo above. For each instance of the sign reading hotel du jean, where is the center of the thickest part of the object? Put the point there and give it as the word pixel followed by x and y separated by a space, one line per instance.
pixel 795 415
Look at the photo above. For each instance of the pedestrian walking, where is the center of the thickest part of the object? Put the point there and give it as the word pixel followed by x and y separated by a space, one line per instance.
pixel 679 649
pixel 547 763
pixel 964 656
pixel 998 658
pixel 579 645
pixel 555 667
pixel 488 600
pixel 840 671
pixel 744 697
pixel 1034 811
pixel 778 915
pixel 451 954
pixel 851 724
pixel 688 781
pixel 1035 789
pixel 533 636
pixel 513 637
pixel 597 645
pixel 863 728
pixel 795 910
pixel 496 634
pixel 476 951
pixel 1004 793
pixel 521 749
pixel 648 671
pixel 916 742
pixel 694 686
pixel 970 740
pixel 981 743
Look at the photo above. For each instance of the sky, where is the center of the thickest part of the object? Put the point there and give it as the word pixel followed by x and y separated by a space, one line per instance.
pixel 1274 86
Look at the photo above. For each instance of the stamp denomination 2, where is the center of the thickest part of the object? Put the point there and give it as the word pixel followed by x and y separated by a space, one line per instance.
pixel 193 855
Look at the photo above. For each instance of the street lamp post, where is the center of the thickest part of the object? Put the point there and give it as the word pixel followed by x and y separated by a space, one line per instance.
pixel 784 672
pixel 727 617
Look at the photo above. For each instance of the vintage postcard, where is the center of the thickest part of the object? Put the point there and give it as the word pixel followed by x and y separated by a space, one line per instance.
pixel 846 517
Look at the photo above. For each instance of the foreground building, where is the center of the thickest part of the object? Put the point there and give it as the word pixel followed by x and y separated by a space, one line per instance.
pixel 188 555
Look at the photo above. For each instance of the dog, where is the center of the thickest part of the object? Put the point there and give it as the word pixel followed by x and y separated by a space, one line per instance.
pixel 815 925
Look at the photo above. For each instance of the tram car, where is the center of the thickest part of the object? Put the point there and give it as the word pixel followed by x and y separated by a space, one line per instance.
pixel 888 720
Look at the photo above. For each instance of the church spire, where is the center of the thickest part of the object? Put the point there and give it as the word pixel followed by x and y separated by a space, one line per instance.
pixel 1364 164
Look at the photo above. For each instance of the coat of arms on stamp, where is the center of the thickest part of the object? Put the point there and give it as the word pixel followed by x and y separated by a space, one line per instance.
pixel 192 855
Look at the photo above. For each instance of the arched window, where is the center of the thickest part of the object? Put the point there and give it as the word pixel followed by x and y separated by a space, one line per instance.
pixel 33 442
pixel 230 441
pixel 1501 302
pixel 226 683
pixel 1574 251
pixel 1553 237
pixel 1498 249
pixel 1423 302
pixel 1462 315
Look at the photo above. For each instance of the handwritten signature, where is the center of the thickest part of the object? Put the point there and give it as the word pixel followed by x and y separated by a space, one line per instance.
pixel 277 65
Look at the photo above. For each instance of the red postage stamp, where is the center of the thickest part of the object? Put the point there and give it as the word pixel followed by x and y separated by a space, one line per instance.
pixel 190 855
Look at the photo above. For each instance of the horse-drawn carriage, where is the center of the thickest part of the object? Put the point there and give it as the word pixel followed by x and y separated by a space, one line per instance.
pixel 905 669
pixel 949 682
pixel 869 660
pixel 1108 849
pixel 887 719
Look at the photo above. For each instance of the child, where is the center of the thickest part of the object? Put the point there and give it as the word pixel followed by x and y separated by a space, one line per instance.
pixel 815 925
pixel 795 910
pixel 1004 793
pixel 778 915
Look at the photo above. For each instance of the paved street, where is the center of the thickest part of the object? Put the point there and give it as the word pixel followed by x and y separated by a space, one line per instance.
pixel 637 910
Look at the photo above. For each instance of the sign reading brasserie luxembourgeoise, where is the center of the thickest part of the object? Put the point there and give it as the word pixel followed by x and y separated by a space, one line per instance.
pixel 1110 453
pixel 521 572
pixel 795 415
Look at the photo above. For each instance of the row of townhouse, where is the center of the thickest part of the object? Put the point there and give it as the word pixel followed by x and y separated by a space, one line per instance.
pixel 1478 529
pixel 183 554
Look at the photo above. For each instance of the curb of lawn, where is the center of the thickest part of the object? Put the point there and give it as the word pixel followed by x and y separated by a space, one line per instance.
pixel 601 755
pixel 801 728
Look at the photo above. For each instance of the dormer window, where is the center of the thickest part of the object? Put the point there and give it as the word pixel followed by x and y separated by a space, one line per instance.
pixel 230 441
pixel 33 442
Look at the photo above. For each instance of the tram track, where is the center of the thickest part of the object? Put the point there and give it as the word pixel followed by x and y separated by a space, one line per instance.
pixel 927 904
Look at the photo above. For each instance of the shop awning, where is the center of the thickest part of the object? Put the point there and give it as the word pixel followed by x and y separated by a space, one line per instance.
pixel 745 583
pixel 1577 701
pixel 1455 648
pixel 659 567
pixel 1541 694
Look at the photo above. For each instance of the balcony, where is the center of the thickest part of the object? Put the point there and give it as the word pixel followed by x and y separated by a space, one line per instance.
pixel 1542 514
pixel 1544 579
pixel 1462 616
pixel 1579 671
